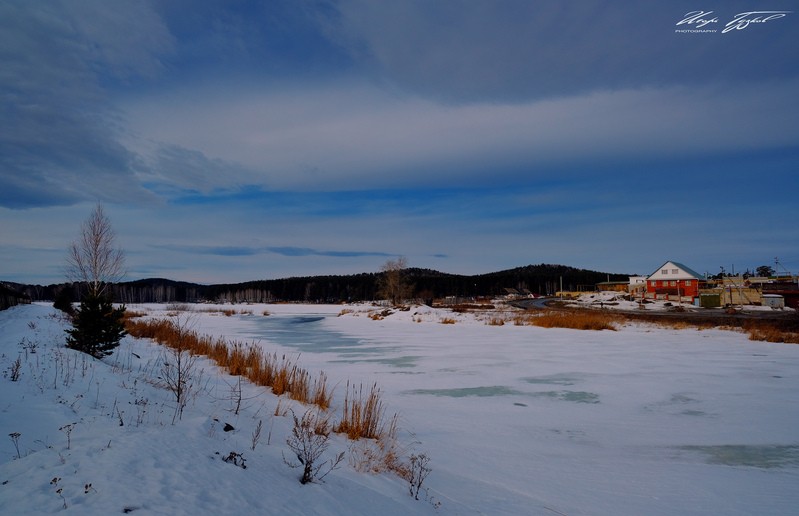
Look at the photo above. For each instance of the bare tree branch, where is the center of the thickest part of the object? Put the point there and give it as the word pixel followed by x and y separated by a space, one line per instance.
pixel 92 258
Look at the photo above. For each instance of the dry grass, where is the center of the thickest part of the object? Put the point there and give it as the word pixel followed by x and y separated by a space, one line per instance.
pixel 465 307
pixel 280 410
pixel 380 455
pixel 379 316
pixel 773 335
pixel 227 312
pixel 769 329
pixel 283 374
pixel 575 320
pixel 496 321
pixel 322 425
pixel 447 320
pixel 362 417
pixel 320 395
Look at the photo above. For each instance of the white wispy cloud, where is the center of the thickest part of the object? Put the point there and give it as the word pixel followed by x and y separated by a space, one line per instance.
pixel 361 137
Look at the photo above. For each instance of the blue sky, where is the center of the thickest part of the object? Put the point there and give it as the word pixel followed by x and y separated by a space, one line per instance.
pixel 239 140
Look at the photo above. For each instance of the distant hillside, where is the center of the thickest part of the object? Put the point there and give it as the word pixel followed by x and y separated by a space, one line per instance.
pixel 427 284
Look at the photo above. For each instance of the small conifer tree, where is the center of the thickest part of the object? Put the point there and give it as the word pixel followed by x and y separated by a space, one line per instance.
pixel 97 327
pixel 63 302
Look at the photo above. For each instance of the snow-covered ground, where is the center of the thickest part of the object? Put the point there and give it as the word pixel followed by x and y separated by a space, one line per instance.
pixel 515 419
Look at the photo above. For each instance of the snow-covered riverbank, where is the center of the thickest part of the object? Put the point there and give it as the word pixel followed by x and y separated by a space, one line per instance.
pixel 515 419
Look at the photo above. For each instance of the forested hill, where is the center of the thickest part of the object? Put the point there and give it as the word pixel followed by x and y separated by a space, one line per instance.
pixel 426 284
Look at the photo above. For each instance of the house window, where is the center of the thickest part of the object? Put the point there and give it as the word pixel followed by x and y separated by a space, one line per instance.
pixel 664 271
pixel 673 283
pixel 674 271
pixel 687 283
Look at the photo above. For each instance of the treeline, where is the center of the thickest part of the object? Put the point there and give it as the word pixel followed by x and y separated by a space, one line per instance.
pixel 426 284
pixel 10 296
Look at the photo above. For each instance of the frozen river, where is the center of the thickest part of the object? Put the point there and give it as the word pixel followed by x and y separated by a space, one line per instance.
pixel 522 420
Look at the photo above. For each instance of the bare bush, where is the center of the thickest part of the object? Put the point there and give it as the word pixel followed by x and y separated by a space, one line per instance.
pixel 309 441
pixel 178 369
pixel 418 471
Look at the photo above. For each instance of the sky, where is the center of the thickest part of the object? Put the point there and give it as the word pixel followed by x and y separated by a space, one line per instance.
pixel 239 140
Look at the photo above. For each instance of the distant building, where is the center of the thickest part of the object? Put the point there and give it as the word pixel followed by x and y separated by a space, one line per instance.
pixel 613 286
pixel 637 285
pixel 788 290
pixel 674 280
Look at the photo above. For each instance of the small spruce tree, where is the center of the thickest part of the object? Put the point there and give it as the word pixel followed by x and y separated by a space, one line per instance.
pixel 97 327
pixel 63 302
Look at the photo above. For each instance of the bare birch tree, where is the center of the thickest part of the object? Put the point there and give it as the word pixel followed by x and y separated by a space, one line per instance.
pixel 392 284
pixel 92 258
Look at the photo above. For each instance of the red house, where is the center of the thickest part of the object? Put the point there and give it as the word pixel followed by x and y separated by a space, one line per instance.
pixel 674 280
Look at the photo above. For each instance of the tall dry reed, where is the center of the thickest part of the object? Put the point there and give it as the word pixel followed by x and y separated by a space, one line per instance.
pixel 362 416
pixel 283 375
